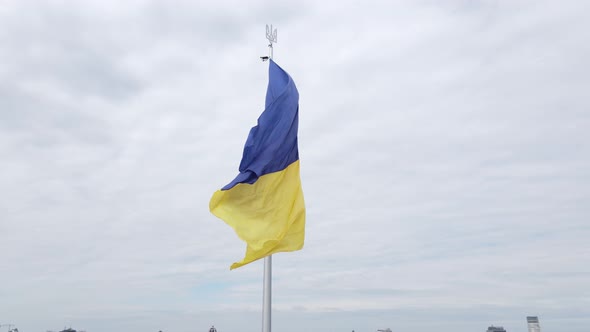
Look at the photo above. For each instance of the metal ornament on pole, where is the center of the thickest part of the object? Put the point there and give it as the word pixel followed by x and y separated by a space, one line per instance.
pixel 271 35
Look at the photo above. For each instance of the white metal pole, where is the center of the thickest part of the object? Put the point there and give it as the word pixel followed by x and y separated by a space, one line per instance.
pixel 267 282
pixel 266 294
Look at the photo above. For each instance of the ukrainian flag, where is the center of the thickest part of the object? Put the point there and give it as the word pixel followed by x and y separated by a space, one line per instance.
pixel 264 203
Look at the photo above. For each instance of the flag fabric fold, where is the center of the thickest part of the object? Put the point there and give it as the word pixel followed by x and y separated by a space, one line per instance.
pixel 264 203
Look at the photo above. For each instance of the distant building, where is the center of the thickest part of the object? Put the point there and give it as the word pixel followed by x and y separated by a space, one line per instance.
pixel 496 329
pixel 533 323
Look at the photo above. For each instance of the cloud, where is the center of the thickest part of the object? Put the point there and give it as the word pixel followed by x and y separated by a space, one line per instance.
pixel 443 147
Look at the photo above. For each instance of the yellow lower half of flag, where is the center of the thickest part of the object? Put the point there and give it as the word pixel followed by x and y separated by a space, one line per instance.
pixel 268 215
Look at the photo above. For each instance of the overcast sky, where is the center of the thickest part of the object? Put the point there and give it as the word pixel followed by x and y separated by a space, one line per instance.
pixel 445 156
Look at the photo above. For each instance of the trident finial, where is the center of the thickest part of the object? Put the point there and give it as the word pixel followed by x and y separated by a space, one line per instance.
pixel 271 35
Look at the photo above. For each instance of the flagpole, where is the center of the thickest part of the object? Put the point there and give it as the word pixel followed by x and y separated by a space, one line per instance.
pixel 271 35
pixel 266 294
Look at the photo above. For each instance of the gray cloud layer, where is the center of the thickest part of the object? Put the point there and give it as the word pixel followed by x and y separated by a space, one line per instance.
pixel 444 149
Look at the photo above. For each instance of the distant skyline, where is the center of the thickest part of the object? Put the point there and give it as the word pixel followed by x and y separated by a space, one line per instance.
pixel 533 324
pixel 493 328
pixel 444 148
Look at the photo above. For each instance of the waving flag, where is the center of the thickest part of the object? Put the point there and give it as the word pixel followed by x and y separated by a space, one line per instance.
pixel 264 203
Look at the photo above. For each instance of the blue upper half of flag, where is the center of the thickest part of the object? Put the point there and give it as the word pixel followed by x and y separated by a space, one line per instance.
pixel 272 144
